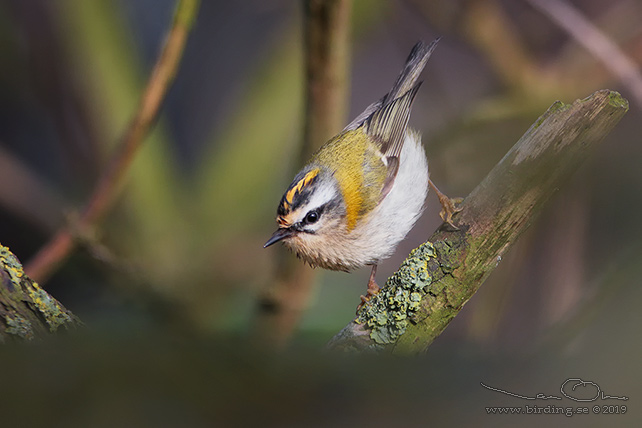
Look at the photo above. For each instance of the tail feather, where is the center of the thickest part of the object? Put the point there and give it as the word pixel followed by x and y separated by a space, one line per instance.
pixel 415 64
pixel 406 80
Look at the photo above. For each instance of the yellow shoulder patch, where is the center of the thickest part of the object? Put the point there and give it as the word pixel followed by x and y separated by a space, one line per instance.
pixel 346 154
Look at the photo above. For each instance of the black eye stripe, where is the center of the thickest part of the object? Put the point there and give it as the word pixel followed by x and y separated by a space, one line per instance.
pixel 312 217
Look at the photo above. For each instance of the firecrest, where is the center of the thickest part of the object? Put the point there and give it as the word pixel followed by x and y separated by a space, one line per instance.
pixel 362 192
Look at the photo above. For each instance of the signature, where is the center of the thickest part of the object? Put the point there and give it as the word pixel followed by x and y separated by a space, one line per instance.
pixel 567 389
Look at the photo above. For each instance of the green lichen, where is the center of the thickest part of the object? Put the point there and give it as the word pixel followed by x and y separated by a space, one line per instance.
pixel 19 326
pixel 558 106
pixel 387 314
pixel 616 100
pixel 53 313
pixel 449 253
pixel 49 308
pixel 11 265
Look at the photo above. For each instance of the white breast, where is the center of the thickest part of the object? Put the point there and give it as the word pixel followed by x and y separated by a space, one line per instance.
pixel 383 228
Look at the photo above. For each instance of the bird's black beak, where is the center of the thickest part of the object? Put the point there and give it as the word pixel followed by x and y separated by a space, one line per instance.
pixel 279 235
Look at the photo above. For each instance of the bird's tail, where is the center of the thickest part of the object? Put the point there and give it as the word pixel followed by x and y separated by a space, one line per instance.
pixel 406 81
pixel 410 74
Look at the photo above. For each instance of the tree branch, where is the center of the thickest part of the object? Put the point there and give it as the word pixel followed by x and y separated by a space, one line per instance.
pixel 54 253
pixel 27 311
pixel 439 277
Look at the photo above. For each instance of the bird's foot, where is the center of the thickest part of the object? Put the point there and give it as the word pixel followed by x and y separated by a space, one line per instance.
pixel 449 206
pixel 373 289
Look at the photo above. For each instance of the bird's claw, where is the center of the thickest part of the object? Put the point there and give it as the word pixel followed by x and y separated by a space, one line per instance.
pixel 373 290
pixel 449 206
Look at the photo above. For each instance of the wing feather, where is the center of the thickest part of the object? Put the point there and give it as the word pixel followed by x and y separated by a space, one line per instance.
pixel 386 120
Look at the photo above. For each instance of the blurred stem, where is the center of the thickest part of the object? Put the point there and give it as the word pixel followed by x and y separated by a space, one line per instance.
pixel 595 41
pixel 33 200
pixel 491 31
pixel 54 253
pixel 326 63
pixel 326 66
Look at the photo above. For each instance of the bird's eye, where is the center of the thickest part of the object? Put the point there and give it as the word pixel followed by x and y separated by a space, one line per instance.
pixel 311 217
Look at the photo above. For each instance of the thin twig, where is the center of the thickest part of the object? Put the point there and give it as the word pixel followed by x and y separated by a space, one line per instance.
pixel 595 41
pixel 27 195
pixel 53 254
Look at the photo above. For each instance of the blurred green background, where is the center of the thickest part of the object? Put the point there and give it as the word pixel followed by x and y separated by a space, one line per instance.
pixel 170 295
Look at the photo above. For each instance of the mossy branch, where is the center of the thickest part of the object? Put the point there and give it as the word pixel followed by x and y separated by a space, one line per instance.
pixel 438 278
pixel 27 311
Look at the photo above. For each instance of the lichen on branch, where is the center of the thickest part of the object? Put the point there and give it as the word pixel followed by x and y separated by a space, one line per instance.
pixel 26 310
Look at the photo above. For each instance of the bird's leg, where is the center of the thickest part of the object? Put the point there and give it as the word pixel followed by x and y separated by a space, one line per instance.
pixel 372 290
pixel 449 207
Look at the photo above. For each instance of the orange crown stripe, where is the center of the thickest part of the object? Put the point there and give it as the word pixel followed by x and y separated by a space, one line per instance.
pixel 289 196
pixel 310 176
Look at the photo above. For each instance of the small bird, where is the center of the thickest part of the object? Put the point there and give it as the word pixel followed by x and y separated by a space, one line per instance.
pixel 364 189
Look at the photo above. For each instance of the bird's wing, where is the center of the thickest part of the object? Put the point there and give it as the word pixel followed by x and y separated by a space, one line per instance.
pixel 386 120
pixel 406 80
pixel 387 126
